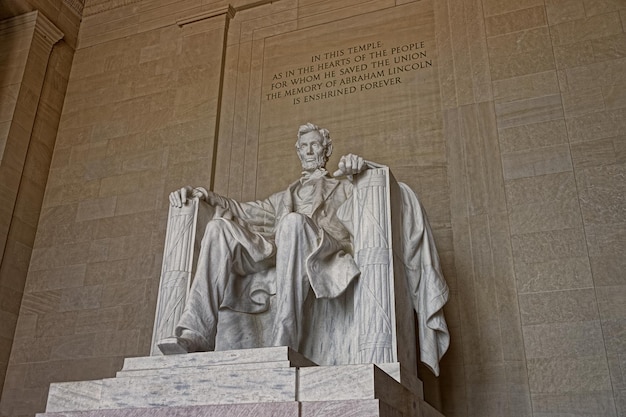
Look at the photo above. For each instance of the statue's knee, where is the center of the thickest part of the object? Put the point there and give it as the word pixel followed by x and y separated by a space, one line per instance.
pixel 290 223
pixel 214 230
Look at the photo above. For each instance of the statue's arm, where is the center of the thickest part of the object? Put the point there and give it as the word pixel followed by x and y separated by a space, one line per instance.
pixel 178 198
pixel 261 211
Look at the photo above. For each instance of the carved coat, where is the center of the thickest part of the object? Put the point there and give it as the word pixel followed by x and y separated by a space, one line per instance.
pixel 330 268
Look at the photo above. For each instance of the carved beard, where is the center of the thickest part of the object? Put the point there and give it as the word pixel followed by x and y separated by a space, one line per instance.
pixel 318 162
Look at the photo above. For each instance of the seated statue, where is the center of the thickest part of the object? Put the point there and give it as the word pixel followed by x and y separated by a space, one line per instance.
pixel 303 235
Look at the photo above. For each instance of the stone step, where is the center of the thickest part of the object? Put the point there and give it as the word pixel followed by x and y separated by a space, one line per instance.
pixel 228 386
pixel 354 408
pixel 354 382
pixel 194 388
pixel 244 357
pixel 268 375
pixel 202 369
pixel 351 408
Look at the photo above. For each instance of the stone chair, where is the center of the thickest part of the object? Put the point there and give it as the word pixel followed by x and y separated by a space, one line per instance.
pixel 371 322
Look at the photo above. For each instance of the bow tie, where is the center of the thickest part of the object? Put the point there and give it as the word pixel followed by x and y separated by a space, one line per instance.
pixel 308 176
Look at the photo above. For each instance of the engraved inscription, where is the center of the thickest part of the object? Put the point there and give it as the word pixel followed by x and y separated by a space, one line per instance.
pixel 345 71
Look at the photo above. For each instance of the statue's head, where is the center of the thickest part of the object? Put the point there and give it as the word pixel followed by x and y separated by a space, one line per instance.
pixel 313 146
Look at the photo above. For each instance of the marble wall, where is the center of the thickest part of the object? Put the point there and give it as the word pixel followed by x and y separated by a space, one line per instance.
pixel 35 66
pixel 508 122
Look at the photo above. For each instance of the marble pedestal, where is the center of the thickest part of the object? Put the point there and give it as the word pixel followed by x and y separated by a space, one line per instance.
pixel 253 382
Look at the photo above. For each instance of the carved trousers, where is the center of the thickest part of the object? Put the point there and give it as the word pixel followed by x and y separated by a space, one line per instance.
pixel 229 251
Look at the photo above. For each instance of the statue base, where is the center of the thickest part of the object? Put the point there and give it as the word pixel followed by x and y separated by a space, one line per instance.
pixel 257 382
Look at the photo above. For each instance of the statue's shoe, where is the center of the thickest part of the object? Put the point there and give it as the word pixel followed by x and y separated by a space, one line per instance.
pixel 174 345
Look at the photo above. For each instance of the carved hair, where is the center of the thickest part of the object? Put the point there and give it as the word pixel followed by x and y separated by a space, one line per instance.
pixel 310 127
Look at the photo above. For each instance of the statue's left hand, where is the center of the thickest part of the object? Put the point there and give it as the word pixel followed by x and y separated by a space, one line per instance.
pixel 349 165
pixel 178 198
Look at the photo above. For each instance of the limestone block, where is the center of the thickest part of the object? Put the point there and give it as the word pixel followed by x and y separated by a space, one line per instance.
pixel 56 324
pixel 80 298
pixel 493 7
pixel 533 135
pixel 56 278
pixel 535 162
pixel 273 376
pixel 566 375
pixel 611 301
pixel 278 22
pixel 277 357
pixel 607 239
pixel 458 32
pixel 520 53
pixel 98 320
pixel 592 403
pixel 365 381
pixel 528 111
pixel 82 395
pixel 314 15
pixel 118 343
pixel 123 293
pixel 559 11
pixel 586 29
pixel 277 409
pixel 516 21
pixel 8 94
pixel 610 47
pixel 558 307
pixel 556 274
pixel 577 103
pixel 71 347
pixel 200 388
pixel 543 203
pixel 614 95
pixel 427 410
pixel 597 125
pixel 545 246
pixel 574 54
pixel 601 194
pixel 404 376
pixel 528 86
pixel 580 78
pixel 354 408
pixel 259 367
pixel 551 249
pixel 573 339
pixel 446 60
pixel 614 331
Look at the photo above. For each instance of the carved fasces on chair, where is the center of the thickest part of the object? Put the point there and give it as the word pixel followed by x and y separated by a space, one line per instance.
pixel 383 311
pixel 372 250
pixel 182 242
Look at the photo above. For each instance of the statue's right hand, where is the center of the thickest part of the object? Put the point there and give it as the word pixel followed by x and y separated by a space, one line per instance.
pixel 178 198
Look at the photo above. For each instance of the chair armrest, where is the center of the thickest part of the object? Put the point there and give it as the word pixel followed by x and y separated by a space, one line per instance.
pixel 185 227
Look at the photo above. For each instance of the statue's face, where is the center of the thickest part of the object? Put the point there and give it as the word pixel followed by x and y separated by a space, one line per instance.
pixel 311 151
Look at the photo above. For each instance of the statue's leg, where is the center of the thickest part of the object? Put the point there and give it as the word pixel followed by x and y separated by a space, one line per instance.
pixel 297 237
pixel 227 250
